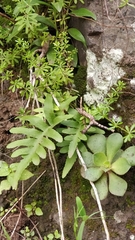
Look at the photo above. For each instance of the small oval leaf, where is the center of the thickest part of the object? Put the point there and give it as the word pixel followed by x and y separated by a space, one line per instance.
pixel 38 211
pixel 113 144
pixel 96 143
pixel 84 12
pixel 120 166
pixel 117 185
pixel 102 187
pixel 92 174
pixel 77 35
pixel 129 154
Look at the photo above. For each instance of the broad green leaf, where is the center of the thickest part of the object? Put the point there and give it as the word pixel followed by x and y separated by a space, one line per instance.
pixel 113 143
pixel 102 187
pixel 117 185
pixel 117 155
pixel 46 21
pixel 84 12
pixel 58 5
pixel 121 166
pixel 96 143
pixel 92 173
pixel 100 160
pixel 26 175
pixel 4 185
pixel 4 169
pixel 80 207
pixel 68 165
pixel 129 154
pixel 38 211
pixel 77 35
pixel 88 159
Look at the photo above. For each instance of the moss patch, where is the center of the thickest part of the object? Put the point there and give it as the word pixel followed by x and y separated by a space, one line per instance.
pixel 80 80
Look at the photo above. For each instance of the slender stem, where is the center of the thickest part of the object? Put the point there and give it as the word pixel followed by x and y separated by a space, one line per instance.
pixel 97 197
pixel 58 191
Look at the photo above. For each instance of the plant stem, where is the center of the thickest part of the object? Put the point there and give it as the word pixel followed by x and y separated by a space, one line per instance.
pixel 58 191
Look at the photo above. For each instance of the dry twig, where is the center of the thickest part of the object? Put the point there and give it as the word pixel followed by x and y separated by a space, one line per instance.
pixel 96 196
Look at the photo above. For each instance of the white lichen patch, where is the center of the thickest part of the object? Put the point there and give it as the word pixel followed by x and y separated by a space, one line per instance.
pixel 102 75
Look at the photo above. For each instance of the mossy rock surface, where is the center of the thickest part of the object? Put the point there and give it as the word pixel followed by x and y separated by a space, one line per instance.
pixel 80 80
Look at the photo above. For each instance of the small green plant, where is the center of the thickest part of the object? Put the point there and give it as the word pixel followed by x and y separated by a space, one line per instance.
pixel 32 209
pixel 105 162
pixel 3 210
pixel 52 236
pixel 28 234
pixel 80 215
pixel 126 2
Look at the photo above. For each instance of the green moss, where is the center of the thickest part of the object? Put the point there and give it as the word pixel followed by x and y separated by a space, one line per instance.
pixel 80 80
pixel 130 225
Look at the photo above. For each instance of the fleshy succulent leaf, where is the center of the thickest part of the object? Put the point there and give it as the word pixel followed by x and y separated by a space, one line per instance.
pixel 117 185
pixel 121 166
pixel 129 154
pixel 96 143
pixel 102 187
pixel 113 144
pixel 92 173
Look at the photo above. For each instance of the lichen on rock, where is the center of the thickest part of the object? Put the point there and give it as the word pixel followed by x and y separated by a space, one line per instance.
pixel 102 74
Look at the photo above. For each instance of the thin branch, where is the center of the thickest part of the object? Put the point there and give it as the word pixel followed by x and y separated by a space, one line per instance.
pixel 20 213
pixel 97 197
pixel 58 191
pixel 92 120
pixel 7 16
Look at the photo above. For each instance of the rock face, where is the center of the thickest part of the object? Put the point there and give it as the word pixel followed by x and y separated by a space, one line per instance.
pixel 110 53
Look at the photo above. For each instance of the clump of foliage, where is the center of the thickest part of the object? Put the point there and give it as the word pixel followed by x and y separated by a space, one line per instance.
pixel 105 161
pixel 38 60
